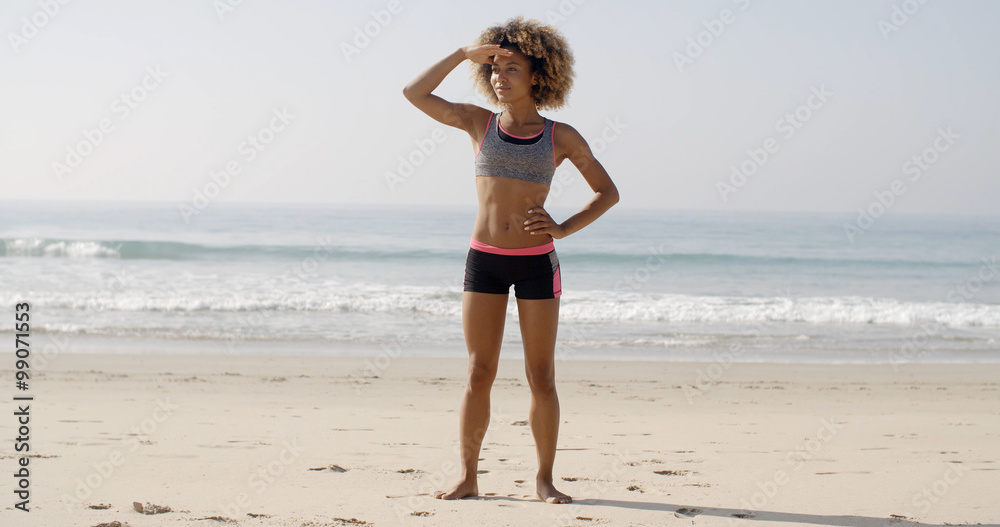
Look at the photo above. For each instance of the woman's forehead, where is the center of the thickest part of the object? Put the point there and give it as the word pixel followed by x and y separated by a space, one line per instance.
pixel 517 58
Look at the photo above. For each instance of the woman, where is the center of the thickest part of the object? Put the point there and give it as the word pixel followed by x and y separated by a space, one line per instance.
pixel 521 66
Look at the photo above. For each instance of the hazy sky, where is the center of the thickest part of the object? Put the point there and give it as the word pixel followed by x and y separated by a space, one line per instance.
pixel 839 95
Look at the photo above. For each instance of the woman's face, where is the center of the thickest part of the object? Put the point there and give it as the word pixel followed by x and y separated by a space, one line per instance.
pixel 512 77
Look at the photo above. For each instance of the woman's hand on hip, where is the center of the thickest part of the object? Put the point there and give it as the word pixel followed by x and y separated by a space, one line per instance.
pixel 539 222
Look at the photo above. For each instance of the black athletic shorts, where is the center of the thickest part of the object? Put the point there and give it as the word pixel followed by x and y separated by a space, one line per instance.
pixel 533 271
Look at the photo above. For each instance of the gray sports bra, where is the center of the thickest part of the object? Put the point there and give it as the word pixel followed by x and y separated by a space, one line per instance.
pixel 527 158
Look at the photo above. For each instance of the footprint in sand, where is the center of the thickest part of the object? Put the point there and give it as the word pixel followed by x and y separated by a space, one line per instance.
pixel 685 512
pixel 351 521
pixel 332 468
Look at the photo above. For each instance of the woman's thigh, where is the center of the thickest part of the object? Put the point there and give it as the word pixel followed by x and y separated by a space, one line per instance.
pixel 483 318
pixel 539 321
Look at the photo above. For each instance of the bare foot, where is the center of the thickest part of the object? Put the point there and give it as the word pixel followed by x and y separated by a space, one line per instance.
pixel 547 492
pixel 465 488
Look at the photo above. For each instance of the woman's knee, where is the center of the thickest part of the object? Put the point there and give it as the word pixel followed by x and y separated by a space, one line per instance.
pixel 542 381
pixel 481 376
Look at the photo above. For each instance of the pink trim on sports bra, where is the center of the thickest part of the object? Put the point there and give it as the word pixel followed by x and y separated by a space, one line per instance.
pixel 517 136
pixel 488 121
pixel 522 251
pixel 553 143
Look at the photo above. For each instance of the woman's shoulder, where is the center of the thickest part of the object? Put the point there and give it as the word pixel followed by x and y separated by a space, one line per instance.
pixel 564 131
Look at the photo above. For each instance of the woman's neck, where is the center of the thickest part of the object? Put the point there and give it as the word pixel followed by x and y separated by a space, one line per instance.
pixel 521 114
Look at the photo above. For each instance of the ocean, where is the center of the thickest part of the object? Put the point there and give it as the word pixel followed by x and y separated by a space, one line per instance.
pixel 637 284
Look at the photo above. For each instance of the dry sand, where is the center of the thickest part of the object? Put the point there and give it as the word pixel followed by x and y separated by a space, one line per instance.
pixel 641 443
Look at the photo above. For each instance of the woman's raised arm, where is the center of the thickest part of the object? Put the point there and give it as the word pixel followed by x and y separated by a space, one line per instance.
pixel 459 115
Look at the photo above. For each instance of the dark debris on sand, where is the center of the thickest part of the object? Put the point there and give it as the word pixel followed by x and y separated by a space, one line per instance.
pixel 671 472
pixel 150 508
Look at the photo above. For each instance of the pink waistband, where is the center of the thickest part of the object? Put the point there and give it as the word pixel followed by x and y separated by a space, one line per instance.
pixel 523 251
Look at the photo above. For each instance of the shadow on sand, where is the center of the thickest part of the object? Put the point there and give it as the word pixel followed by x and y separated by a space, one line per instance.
pixel 690 511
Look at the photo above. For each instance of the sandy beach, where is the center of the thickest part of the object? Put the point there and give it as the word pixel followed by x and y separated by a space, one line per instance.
pixel 315 441
pixel 242 253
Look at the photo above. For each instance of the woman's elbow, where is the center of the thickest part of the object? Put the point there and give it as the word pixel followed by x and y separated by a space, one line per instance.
pixel 411 91
pixel 612 194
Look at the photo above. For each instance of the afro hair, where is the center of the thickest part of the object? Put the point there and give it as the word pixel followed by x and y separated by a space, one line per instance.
pixel 548 52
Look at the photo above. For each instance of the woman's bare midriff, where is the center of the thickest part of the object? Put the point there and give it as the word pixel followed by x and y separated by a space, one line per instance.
pixel 503 207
